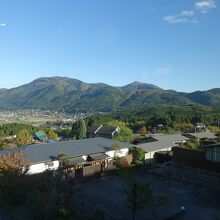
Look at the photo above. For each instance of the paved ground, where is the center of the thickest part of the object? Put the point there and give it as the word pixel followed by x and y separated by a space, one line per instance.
pixel 5 216
pixel 199 203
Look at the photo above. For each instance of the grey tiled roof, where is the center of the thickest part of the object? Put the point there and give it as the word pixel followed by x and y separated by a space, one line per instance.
pixel 76 160
pixel 99 156
pixel 162 142
pixel 200 124
pixel 106 130
pixel 173 138
pixel 205 134
pixel 93 128
pixel 101 129
pixel 47 152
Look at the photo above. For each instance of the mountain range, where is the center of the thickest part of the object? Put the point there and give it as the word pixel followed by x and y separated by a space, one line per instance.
pixel 68 94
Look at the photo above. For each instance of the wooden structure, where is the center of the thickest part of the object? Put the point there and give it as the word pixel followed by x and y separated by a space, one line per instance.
pixel 95 165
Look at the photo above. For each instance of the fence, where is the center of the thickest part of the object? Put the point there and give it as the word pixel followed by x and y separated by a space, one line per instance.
pixel 194 158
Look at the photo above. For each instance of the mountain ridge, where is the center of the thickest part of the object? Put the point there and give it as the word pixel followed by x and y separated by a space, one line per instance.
pixel 68 93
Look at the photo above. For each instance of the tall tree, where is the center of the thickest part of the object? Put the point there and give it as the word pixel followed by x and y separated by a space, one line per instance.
pixel 157 201
pixel 79 129
pixel 138 197
pixel 23 138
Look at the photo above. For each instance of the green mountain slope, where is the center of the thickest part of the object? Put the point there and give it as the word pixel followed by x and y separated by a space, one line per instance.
pixel 66 93
pixel 210 97
pixel 155 97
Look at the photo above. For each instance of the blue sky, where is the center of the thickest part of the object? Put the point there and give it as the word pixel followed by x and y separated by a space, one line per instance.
pixel 174 44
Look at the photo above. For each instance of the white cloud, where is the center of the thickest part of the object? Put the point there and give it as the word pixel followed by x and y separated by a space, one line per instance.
pixel 188 16
pixel 186 13
pixel 183 17
pixel 2 24
pixel 164 70
pixel 205 5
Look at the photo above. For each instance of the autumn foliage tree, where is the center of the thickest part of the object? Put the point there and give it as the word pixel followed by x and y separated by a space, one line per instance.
pixel 23 138
pixel 52 135
pixel 14 163
pixel 13 184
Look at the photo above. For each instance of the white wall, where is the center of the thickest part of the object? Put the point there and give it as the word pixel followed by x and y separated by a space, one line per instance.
pixel 150 155
pixel 41 167
pixel 118 153
pixel 84 157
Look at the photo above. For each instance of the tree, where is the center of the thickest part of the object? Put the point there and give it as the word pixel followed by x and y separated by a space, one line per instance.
pixel 138 154
pixel 9 129
pixel 64 133
pixel 14 163
pixel 156 201
pixel 2 143
pixel 143 130
pixel 55 195
pixel 124 162
pixel 23 138
pixel 138 196
pixel 98 214
pixel 125 134
pixel 186 127
pixel 116 147
pixel 13 179
pixel 52 135
pixel 194 144
pixel 214 129
pixel 63 160
pixel 79 129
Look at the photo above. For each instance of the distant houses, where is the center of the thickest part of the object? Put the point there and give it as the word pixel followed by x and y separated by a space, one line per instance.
pixel 102 131
pixel 200 125
pixel 40 136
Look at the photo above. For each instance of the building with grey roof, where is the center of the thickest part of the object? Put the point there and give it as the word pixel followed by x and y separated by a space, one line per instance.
pixel 202 135
pixel 93 129
pixel 200 125
pixel 161 143
pixel 102 131
pixel 40 155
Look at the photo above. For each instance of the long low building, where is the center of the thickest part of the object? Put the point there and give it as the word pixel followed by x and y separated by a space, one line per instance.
pixel 161 142
pixel 201 135
pixel 78 152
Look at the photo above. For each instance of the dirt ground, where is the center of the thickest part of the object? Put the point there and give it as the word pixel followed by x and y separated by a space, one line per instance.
pixel 199 202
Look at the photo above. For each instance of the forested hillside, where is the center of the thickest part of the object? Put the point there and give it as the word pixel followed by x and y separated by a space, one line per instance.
pixel 67 94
